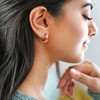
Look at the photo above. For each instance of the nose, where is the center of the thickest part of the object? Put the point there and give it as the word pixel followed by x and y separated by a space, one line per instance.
pixel 93 30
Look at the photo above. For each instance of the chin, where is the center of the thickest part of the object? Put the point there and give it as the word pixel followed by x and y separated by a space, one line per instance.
pixel 76 59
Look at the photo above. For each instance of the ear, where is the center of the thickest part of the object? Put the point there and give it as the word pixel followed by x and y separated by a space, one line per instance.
pixel 37 20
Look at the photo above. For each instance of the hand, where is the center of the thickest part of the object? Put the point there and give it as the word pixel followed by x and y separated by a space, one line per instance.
pixel 87 73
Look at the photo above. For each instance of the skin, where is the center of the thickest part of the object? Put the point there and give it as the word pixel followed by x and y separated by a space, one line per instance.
pixel 66 37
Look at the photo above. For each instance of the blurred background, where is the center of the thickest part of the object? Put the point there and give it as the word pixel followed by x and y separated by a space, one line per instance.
pixel 93 54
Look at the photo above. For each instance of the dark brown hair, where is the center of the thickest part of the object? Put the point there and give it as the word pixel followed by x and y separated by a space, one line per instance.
pixel 16 41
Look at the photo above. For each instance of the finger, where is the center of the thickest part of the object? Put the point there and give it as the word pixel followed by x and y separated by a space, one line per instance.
pixel 71 88
pixel 61 83
pixel 65 88
pixel 68 88
pixel 66 75
pixel 65 79
pixel 87 67
pixel 93 83
pixel 81 77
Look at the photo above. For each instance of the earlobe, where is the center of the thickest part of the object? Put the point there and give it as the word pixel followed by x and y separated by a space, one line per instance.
pixel 37 20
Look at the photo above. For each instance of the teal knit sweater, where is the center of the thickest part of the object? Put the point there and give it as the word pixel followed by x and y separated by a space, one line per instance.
pixel 95 96
pixel 20 96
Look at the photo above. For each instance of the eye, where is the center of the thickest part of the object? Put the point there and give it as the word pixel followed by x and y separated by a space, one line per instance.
pixel 87 18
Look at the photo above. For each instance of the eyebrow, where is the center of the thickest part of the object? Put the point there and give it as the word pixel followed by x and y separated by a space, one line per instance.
pixel 88 4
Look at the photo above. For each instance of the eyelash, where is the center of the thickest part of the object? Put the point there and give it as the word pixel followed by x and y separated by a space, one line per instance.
pixel 87 18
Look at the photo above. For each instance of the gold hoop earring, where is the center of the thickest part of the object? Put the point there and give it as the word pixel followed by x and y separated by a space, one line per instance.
pixel 45 40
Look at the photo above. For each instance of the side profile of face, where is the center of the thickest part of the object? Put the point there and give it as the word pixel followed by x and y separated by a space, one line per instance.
pixel 69 34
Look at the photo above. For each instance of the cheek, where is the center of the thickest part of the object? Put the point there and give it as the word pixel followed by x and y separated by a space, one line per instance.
pixel 67 37
pixel 78 31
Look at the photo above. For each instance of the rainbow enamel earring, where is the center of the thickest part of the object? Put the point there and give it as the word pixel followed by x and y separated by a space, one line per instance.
pixel 45 40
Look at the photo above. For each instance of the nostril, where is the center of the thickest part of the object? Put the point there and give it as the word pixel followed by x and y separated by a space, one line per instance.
pixel 92 35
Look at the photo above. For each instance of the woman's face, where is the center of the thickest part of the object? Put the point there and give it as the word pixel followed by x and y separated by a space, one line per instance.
pixel 69 34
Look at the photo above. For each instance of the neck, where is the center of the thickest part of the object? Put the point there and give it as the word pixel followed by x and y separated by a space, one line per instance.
pixel 35 82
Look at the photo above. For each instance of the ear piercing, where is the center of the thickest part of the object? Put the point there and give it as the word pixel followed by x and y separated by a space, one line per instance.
pixel 45 40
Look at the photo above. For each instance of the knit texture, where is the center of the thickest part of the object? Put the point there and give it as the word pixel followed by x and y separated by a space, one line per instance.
pixel 20 96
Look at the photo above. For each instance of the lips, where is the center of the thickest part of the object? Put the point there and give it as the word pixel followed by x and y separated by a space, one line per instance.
pixel 86 43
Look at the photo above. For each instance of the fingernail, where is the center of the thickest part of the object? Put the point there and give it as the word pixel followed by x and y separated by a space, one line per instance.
pixel 73 72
